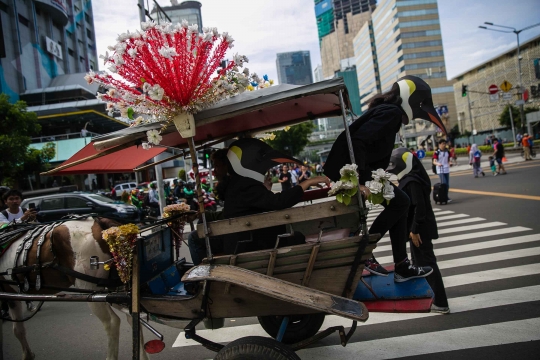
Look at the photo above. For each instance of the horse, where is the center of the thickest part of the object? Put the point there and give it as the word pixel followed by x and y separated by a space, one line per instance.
pixel 68 244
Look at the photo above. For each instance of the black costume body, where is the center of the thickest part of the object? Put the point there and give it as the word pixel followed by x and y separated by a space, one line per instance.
pixel 373 137
pixel 421 220
pixel 245 196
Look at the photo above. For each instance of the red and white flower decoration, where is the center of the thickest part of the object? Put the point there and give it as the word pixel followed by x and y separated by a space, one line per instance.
pixel 165 70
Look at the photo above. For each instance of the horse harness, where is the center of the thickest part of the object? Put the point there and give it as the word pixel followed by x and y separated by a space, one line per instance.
pixel 40 232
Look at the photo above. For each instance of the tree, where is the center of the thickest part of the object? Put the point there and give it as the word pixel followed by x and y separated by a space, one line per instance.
pixel 504 118
pixel 454 133
pixel 16 128
pixel 292 140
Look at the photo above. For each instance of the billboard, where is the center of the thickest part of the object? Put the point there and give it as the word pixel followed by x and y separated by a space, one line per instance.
pixel 323 7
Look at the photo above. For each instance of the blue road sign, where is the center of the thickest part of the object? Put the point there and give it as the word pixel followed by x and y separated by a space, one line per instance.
pixel 421 154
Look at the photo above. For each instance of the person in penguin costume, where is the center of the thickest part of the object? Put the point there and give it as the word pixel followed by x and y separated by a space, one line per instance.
pixel 373 137
pixel 421 224
pixel 244 193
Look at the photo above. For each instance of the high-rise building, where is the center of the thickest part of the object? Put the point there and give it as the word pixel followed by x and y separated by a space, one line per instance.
pixel 294 68
pixel 338 21
pixel 43 39
pixel 403 37
pixel 186 10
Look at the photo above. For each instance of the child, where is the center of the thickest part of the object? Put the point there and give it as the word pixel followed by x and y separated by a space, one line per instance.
pixel 493 166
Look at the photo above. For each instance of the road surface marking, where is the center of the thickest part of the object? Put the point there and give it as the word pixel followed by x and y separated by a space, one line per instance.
pixel 450 217
pixel 491 275
pixel 431 343
pixel 458 222
pixel 472 227
pixel 489 193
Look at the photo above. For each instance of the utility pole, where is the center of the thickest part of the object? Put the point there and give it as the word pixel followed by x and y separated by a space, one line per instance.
pixel 512 123
pixel 470 117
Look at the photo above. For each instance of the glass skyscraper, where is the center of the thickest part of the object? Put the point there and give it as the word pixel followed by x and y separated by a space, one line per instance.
pixel 294 68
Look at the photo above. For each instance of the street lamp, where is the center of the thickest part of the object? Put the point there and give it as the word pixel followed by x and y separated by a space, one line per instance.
pixel 517 32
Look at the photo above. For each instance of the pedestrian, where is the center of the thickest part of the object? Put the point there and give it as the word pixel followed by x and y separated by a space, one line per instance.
pixel 475 157
pixel 498 153
pixel 318 169
pixel 14 212
pixel 519 137
pixel 285 178
pixel 153 197
pixel 493 166
pixel 526 147
pixel 304 174
pixel 421 224
pixel 373 136
pixel 294 175
pixel 453 157
pixel 94 185
pixel 441 160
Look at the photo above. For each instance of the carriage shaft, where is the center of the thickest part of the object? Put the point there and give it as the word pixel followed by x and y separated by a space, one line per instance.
pixel 116 298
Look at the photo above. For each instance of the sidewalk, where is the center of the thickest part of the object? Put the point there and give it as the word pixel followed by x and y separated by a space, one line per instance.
pixel 464 163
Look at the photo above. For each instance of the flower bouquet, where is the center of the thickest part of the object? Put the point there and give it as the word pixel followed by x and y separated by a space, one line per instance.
pixel 179 212
pixel 121 242
pixel 168 73
pixel 380 187
pixel 347 186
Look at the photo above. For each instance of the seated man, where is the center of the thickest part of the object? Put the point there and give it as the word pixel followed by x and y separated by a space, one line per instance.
pixel 244 193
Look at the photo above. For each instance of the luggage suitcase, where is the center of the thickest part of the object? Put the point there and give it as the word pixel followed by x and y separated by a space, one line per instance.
pixel 440 193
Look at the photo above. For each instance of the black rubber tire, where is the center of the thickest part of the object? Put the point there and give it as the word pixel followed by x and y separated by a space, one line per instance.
pixel 300 327
pixel 256 348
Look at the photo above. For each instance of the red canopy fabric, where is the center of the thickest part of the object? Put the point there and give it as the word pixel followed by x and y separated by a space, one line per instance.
pixel 123 161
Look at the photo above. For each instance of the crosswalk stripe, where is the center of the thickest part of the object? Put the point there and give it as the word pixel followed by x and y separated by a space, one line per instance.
pixel 433 342
pixel 479 246
pixel 458 222
pixel 446 212
pixel 451 217
pixel 467 236
pixel 457 305
pixel 491 275
pixel 472 227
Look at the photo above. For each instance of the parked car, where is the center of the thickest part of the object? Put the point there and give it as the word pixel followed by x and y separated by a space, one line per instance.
pixel 120 188
pixel 54 207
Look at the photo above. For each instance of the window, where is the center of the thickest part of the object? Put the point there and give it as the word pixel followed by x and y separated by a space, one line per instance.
pixel 419 23
pixel 400 3
pixel 415 34
pixel 4 8
pixel 446 89
pixel 75 203
pixel 434 64
pixel 422 44
pixel 423 54
pixel 70 52
pixel 24 20
pixel 87 18
pixel 418 12
pixel 89 34
pixel 2 45
pixel 52 204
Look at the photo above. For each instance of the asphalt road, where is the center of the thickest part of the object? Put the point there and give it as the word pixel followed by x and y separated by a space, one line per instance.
pixel 489 254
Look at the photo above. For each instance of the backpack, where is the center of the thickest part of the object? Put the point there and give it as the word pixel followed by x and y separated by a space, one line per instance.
pixel 433 166
pixel 477 154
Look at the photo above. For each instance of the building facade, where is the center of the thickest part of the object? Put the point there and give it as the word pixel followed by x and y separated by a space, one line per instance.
pixel 486 108
pixel 43 39
pixel 403 37
pixel 338 21
pixel 294 68
pixel 186 10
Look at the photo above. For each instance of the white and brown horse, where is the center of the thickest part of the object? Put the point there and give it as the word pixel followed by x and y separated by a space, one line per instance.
pixel 70 245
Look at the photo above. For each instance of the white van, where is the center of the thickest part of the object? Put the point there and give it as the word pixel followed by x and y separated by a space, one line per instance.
pixel 120 188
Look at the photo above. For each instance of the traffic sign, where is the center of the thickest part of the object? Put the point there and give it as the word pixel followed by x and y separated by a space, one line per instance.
pixel 421 154
pixel 506 86
pixel 520 102
pixel 494 97
pixel 507 96
pixel 493 89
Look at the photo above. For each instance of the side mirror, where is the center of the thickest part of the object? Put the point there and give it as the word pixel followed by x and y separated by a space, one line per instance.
pixel 90 204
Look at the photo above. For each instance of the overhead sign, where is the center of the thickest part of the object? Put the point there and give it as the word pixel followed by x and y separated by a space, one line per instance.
pixel 494 97
pixel 421 154
pixel 506 86
pixel 493 89
pixel 54 48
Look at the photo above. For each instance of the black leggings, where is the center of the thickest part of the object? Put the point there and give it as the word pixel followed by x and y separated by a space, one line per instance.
pixel 424 256
pixel 394 218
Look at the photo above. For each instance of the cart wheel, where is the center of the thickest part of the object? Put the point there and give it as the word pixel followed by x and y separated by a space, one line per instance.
pixel 300 327
pixel 256 348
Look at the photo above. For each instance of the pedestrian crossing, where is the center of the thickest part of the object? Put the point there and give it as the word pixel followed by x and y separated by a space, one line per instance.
pixel 491 272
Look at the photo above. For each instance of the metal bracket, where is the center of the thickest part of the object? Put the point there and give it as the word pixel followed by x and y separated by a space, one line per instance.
pixel 94 262
pixel 189 330
pixel 344 337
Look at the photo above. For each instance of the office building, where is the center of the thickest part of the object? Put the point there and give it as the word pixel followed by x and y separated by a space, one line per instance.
pixel 338 21
pixel 403 37
pixel 294 68
pixel 43 39
pixel 186 10
pixel 486 108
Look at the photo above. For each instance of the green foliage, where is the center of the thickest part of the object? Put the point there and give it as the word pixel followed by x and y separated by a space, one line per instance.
pixel 182 174
pixel 294 140
pixel 504 118
pixel 454 132
pixel 17 126
pixel 275 180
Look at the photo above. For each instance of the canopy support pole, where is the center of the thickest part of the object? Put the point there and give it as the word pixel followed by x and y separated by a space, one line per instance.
pixel 195 163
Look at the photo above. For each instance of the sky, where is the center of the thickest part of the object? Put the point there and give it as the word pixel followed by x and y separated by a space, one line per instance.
pixel 263 28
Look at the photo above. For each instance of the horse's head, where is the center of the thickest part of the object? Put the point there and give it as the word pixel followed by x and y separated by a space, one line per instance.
pixel 100 224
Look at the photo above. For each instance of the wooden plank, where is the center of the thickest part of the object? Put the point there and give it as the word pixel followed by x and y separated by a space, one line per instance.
pixel 311 262
pixel 281 290
pixel 232 262
pixel 280 217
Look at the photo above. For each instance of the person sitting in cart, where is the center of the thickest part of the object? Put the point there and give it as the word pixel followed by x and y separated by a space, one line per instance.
pixel 244 193
pixel 373 137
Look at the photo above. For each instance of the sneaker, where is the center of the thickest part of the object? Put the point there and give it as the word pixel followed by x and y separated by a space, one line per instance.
pixel 374 267
pixel 440 309
pixel 483 174
pixel 449 200
pixel 407 271
pixel 495 174
pixel 31 307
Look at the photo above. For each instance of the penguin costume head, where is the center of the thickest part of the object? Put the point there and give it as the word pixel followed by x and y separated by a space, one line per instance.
pixel 251 158
pixel 408 168
pixel 417 101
